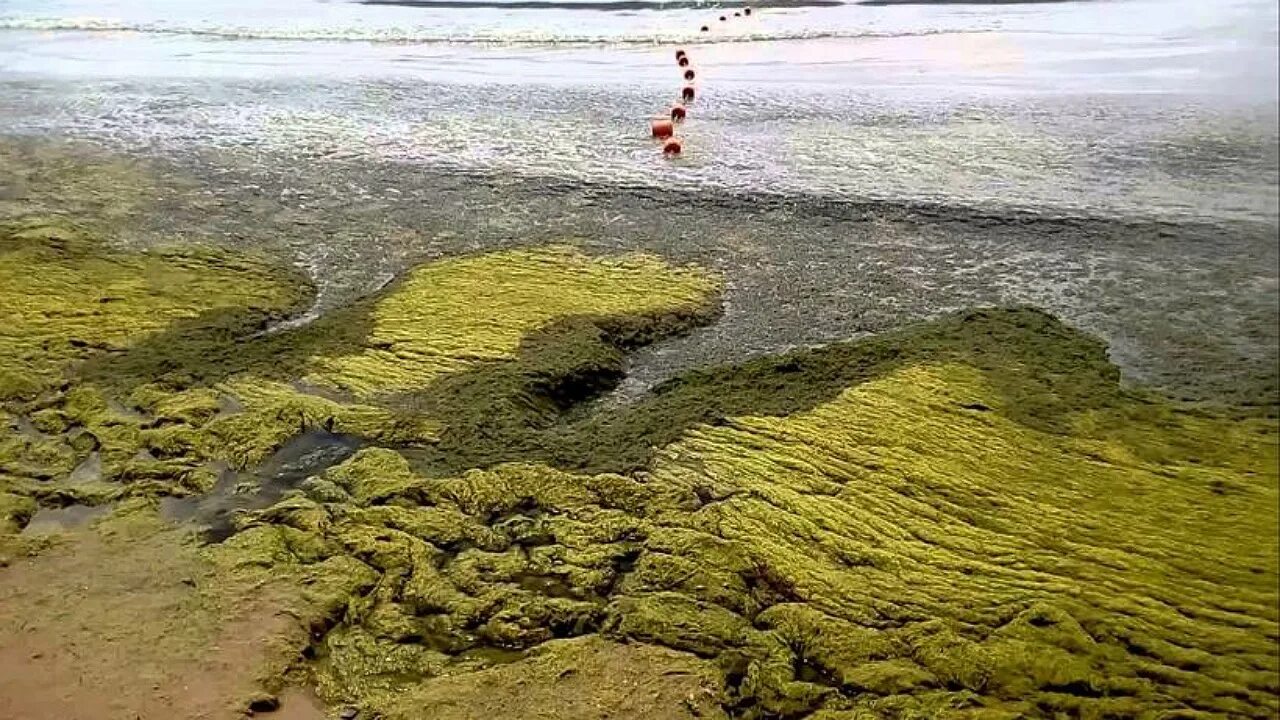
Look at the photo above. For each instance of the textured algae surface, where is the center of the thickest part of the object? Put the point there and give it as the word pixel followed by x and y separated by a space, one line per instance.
pixel 142 374
pixel 916 545
pixel 1057 372
pixel 965 519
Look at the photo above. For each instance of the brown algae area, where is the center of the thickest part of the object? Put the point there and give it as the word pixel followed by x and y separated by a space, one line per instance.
pixel 969 518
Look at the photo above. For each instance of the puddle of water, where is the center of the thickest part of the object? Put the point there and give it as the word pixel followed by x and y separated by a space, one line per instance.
pixel 300 458
pixel 51 520
pixel 90 470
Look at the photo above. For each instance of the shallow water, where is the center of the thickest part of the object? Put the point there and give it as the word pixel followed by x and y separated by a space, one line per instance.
pixel 308 454
pixel 51 520
pixel 1152 107
pixel 848 167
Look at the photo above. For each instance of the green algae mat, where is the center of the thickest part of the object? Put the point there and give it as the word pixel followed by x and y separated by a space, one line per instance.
pixel 966 518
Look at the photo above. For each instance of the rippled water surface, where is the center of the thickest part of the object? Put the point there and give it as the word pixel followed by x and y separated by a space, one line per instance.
pixel 1134 106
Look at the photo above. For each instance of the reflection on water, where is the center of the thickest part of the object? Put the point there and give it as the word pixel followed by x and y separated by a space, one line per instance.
pixel 307 454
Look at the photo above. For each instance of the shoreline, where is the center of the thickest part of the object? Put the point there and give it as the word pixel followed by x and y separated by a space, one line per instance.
pixel 801 272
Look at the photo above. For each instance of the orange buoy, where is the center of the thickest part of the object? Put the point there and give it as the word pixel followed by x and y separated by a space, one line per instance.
pixel 671 147
pixel 746 11
pixel 689 75
pixel 680 54
pixel 737 14
pixel 683 62
pixel 723 18
pixel 662 128
pixel 677 112
pixel 687 93
pixel 705 28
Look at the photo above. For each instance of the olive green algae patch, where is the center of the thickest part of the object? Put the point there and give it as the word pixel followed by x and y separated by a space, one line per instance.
pixel 913 546
pixel 911 542
pixel 586 677
pixel 133 374
pixel 1048 373
pixel 969 518
pixel 63 298
pixel 66 303
pixel 449 315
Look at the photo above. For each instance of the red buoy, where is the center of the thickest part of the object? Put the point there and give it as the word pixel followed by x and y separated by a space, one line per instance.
pixel 687 93
pixel 671 147
pixel 689 75
pixel 705 28
pixel 723 18
pixel 737 14
pixel 683 62
pixel 662 128
pixel 679 54
pixel 746 11
pixel 677 112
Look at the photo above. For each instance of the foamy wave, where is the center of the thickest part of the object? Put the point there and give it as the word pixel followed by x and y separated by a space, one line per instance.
pixel 426 36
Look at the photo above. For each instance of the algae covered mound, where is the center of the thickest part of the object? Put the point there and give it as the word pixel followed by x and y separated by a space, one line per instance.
pixel 67 300
pixel 1047 372
pixel 916 544
pixel 129 374
pixel 481 307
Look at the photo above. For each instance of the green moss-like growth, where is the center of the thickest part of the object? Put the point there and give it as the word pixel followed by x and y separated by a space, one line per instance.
pixel 66 299
pixel 913 545
pixel 927 538
pixel 68 304
pixel 482 307
pixel 489 418
pixel 147 367
pixel 490 562
pixel 15 511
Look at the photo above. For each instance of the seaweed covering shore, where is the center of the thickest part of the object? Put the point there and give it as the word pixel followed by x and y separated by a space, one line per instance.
pixel 965 518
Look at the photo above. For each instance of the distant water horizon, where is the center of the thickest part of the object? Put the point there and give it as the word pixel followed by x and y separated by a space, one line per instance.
pixel 1162 108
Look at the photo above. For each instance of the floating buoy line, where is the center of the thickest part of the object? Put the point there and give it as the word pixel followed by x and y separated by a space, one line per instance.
pixel 664 128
